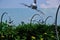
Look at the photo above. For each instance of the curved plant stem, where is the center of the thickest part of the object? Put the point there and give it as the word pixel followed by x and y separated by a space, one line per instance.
pixel 37 21
pixel 33 17
pixel 2 18
pixel 56 24
pixel 47 19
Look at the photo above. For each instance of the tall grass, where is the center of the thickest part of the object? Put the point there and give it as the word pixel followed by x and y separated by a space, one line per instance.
pixel 2 18
pixel 56 23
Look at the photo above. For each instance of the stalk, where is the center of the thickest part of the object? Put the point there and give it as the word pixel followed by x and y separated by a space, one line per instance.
pixel 2 18
pixel 47 19
pixel 37 21
pixel 32 18
pixel 57 37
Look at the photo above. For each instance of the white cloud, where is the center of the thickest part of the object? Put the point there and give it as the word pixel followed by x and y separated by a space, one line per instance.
pixel 50 4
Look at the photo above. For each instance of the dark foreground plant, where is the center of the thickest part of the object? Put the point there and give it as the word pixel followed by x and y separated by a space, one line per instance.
pixel 2 19
pixel 56 23
pixel 44 21
pixel 27 32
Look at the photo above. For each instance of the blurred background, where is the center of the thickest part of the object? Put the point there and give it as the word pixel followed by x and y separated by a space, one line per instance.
pixel 19 12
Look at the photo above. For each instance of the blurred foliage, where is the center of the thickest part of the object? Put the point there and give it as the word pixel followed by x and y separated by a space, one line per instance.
pixel 28 32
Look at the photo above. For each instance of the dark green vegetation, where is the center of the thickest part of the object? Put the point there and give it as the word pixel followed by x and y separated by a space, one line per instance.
pixel 30 31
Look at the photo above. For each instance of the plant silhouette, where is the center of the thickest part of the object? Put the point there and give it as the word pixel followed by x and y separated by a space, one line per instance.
pixel 57 37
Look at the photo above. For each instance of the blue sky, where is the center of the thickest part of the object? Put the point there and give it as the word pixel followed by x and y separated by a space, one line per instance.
pixel 15 3
pixel 20 13
pixel 40 3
